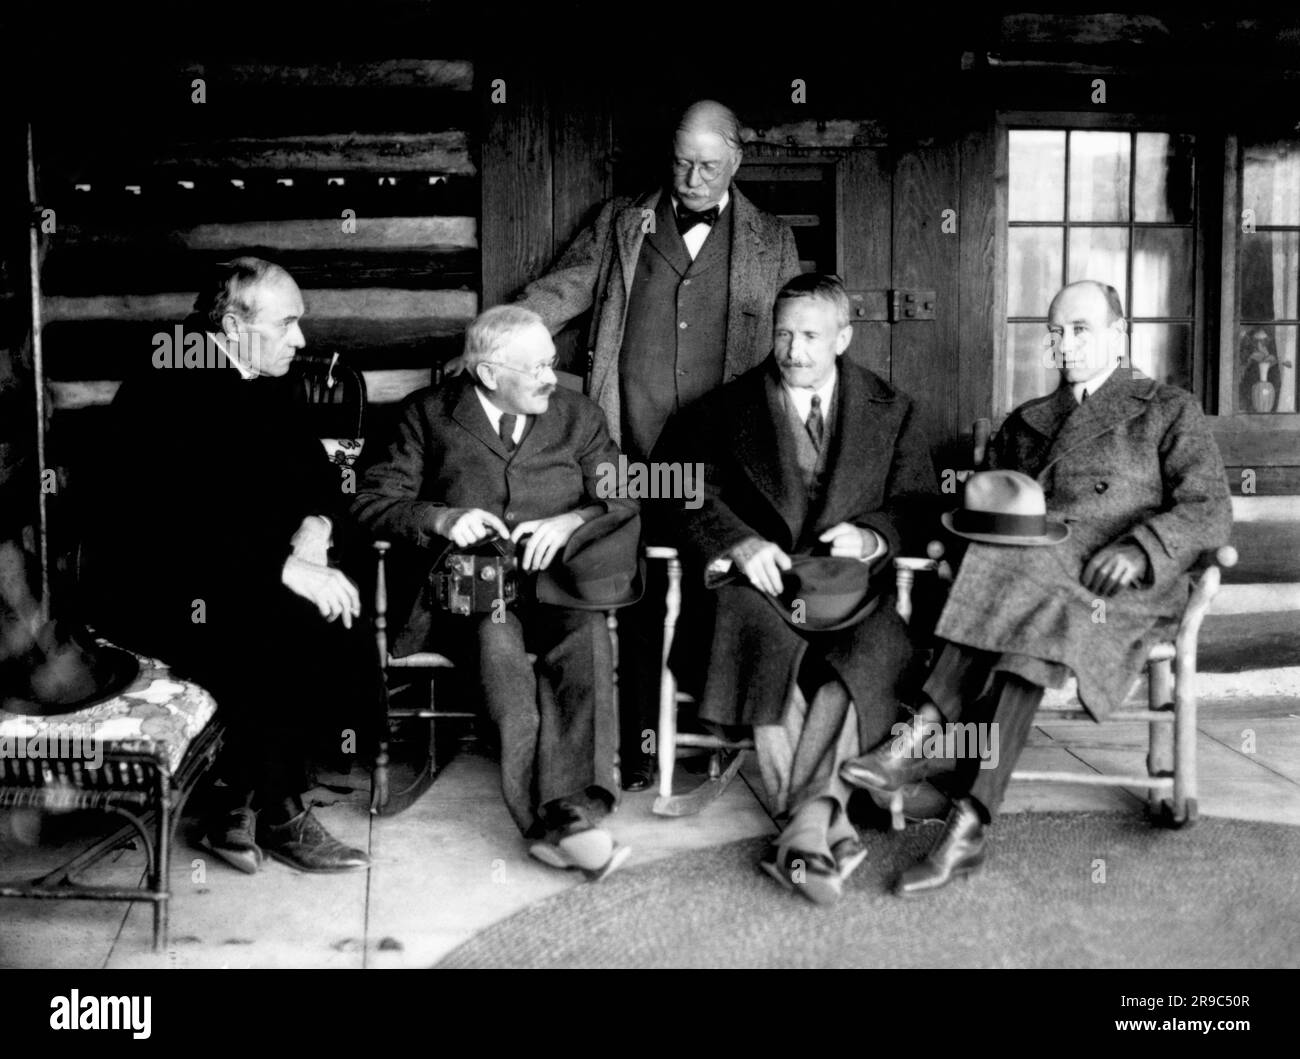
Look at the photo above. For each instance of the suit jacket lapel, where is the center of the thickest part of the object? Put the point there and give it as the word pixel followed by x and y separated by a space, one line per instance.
pixel 746 248
pixel 1123 396
pixel 858 437
pixel 469 413
pixel 765 451
pixel 629 231
pixel 665 238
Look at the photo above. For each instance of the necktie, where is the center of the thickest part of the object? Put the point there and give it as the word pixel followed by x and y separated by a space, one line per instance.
pixel 688 219
pixel 506 428
pixel 1083 396
pixel 815 425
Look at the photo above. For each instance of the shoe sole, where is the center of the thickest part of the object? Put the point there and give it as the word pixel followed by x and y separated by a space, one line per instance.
pixel 554 857
pixel 588 850
pixel 247 861
pixel 289 862
pixel 964 872
pixel 850 864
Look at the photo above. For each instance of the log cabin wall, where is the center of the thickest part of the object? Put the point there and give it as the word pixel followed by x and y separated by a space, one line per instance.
pixel 359 178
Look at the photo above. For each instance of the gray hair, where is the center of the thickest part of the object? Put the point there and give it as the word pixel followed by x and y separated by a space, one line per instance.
pixel 823 285
pixel 230 286
pixel 708 115
pixel 494 329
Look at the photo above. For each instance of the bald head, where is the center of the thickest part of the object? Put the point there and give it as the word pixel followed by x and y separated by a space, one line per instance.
pixel 706 154
pixel 708 115
pixel 1086 327
pixel 1114 307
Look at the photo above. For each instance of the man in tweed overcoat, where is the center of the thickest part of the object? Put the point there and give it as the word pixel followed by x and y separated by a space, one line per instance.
pixel 1130 466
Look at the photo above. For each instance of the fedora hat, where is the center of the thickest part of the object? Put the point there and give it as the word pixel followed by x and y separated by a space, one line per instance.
pixel 600 567
pixel 834 592
pixel 1004 507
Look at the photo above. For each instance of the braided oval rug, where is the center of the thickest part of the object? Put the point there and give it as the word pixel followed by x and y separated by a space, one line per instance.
pixel 1059 890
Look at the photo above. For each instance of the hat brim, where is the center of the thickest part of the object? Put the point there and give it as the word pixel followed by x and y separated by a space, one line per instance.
pixel 113 671
pixel 1056 532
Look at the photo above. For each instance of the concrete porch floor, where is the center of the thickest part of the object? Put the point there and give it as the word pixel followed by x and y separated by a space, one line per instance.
pixel 453 863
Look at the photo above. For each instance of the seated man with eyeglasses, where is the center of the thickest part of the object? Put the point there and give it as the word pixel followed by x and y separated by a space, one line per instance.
pixel 503 452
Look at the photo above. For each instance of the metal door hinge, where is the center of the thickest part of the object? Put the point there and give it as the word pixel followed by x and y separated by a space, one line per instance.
pixel 891 306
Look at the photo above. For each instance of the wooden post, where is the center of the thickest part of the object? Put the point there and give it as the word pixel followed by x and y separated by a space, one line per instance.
pixel 38 374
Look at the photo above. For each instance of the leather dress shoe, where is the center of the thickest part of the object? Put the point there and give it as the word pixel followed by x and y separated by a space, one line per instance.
pixel 960 851
pixel 814 875
pixel 232 837
pixel 897 761
pixel 303 843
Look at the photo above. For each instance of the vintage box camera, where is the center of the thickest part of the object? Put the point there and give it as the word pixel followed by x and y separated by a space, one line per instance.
pixel 473 580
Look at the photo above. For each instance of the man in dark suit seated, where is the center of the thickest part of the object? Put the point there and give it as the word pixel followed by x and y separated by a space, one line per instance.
pixel 502 451
pixel 807 453
pixel 210 551
pixel 1134 485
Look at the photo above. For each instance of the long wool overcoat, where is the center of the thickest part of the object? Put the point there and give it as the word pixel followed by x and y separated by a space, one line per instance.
pixel 879 476
pixel 1135 461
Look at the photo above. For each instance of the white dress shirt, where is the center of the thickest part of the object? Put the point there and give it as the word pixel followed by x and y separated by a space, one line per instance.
pixel 1092 385
pixel 694 237
pixel 801 397
pixel 494 415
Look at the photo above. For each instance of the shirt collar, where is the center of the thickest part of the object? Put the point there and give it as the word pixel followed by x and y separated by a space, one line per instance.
pixel 245 372
pixel 802 398
pixel 494 413
pixel 1092 385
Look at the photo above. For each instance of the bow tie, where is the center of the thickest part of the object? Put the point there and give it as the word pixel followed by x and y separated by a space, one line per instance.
pixel 688 219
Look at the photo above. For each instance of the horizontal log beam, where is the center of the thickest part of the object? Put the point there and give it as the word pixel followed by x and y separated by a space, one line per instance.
pixel 142 269
pixel 114 349
pixel 354 152
pixel 455 75
pixel 432 235
pixel 382 387
pixel 364 304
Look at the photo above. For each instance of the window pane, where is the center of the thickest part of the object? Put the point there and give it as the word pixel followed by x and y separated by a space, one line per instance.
pixel 1164 352
pixel 1270 182
pixel 1029 363
pixel 1100 254
pixel 1163 181
pixel 1266 364
pixel 1099 173
pixel 1162 272
pixel 1270 274
pixel 1034 266
pixel 1036 162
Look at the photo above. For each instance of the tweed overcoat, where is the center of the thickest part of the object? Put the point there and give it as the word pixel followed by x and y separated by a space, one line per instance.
pixel 1135 461
pixel 598 268
pixel 879 475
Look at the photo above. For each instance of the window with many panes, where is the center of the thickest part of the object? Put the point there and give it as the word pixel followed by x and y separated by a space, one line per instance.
pixel 1116 206
pixel 1263 314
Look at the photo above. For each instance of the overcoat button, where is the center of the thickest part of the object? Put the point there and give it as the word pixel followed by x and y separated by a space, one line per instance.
pixel 1101 487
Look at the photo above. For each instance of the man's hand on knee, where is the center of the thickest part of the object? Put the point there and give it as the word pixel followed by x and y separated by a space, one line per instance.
pixel 328 589
pixel 762 562
pixel 464 526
